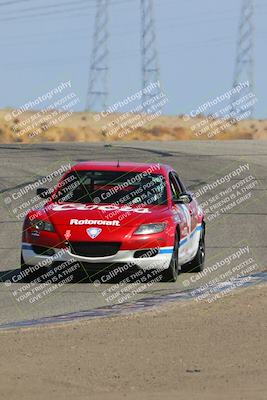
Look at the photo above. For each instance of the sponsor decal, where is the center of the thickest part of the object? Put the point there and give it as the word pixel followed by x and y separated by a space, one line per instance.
pixel 184 231
pixel 94 222
pixel 89 207
pixel 67 234
pixel 187 216
pixel 93 232
pixel 176 216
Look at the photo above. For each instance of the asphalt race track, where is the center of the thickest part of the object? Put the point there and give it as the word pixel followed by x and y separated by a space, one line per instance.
pixel 235 220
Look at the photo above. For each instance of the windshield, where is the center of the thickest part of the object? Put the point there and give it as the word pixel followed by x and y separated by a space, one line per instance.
pixel 112 187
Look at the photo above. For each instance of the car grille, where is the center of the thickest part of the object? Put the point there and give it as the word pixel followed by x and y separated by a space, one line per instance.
pixel 146 253
pixel 96 249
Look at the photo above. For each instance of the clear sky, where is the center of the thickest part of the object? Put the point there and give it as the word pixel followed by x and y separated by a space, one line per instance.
pixel 196 46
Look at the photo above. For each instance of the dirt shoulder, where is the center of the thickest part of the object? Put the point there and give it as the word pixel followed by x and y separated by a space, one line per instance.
pixel 185 350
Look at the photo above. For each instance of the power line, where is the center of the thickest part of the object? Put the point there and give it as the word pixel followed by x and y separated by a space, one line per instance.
pixel 7 3
pixel 44 7
pixel 46 13
pixel 85 7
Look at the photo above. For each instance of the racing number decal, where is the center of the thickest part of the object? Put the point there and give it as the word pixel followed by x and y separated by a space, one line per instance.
pixel 78 206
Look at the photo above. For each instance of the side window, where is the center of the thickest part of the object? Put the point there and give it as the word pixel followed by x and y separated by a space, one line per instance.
pixel 180 183
pixel 175 189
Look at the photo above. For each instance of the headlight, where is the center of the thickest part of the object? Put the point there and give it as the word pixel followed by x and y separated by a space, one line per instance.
pixel 147 229
pixel 42 225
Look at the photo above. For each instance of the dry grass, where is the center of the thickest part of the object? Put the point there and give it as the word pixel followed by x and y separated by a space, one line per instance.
pixel 83 127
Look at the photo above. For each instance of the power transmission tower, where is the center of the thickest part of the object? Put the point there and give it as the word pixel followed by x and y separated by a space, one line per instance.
pixel 97 94
pixel 150 68
pixel 244 67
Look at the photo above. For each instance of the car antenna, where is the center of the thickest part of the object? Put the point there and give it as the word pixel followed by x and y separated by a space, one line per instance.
pixel 118 164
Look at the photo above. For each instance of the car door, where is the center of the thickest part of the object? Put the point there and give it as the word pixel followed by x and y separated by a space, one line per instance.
pixel 192 207
pixel 189 233
pixel 183 207
pixel 193 238
pixel 180 209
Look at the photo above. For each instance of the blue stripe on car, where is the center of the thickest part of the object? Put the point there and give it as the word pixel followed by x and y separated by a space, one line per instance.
pixel 166 251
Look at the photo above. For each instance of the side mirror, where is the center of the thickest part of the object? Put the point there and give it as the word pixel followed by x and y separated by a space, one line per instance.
pixel 184 198
pixel 43 193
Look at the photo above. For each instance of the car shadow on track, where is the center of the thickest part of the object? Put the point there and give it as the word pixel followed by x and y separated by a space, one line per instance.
pixel 115 274
pixel 8 275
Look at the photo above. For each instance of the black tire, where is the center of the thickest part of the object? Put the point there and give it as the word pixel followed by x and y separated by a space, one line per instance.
pixel 171 274
pixel 197 264
pixel 30 276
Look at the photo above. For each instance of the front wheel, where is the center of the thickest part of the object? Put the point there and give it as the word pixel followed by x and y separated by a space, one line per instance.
pixel 171 274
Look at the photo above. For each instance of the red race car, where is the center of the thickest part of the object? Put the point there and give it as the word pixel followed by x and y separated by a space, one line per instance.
pixel 116 213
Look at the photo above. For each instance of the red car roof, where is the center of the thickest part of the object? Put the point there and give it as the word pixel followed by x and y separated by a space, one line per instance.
pixel 122 166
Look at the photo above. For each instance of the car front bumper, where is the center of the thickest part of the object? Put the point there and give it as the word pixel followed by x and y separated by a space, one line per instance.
pixel 158 261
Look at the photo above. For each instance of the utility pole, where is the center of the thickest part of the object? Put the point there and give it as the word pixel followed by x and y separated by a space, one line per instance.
pixel 244 66
pixel 97 94
pixel 150 68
